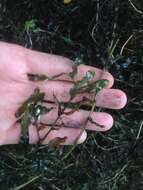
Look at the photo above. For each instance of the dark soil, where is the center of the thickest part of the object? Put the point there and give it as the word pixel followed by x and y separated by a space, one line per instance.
pixel 107 34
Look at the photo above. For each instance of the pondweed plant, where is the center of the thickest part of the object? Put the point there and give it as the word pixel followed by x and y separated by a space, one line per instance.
pixel 32 109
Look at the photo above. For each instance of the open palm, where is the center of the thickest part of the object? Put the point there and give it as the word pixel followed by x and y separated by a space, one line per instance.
pixel 15 88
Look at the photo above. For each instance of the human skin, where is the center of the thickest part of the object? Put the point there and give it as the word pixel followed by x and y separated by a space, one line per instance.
pixel 16 61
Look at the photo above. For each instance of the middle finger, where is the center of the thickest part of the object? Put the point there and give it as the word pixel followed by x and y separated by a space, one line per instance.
pixel 107 98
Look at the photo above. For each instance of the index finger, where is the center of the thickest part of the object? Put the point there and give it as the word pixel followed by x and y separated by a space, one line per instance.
pixel 51 65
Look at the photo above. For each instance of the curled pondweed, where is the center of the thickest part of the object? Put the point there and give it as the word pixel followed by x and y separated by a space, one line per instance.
pixel 29 112
pixel 35 106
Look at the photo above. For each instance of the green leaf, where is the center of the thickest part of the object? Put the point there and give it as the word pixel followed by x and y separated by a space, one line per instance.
pixel 35 77
pixel 78 61
pixel 36 97
pixel 25 122
pixel 36 111
pixel 57 141
pixel 99 85
pixel 67 1
pixel 77 87
pixel 89 75
pixel 67 40
pixel 30 25
pixel 29 113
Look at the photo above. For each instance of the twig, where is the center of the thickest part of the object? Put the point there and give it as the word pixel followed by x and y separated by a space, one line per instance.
pixel 139 132
pixel 28 182
pixel 135 8
pixel 123 47
pixel 85 123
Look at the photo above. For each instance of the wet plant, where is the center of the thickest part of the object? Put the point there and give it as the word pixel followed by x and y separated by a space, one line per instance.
pixel 30 111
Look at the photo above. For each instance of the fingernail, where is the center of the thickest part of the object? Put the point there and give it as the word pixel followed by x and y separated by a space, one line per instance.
pixel 82 138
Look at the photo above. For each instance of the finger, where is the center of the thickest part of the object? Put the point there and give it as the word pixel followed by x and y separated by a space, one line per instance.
pixel 107 98
pixel 71 134
pixel 111 98
pixel 99 74
pixel 50 65
pixel 33 135
pixel 78 119
pixel 10 135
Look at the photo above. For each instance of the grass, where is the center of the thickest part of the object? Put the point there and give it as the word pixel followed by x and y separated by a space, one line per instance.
pixel 100 31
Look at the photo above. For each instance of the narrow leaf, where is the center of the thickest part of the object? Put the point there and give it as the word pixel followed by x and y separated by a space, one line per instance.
pixel 57 141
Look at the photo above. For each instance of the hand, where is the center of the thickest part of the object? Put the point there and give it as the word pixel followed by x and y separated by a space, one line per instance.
pixel 15 88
